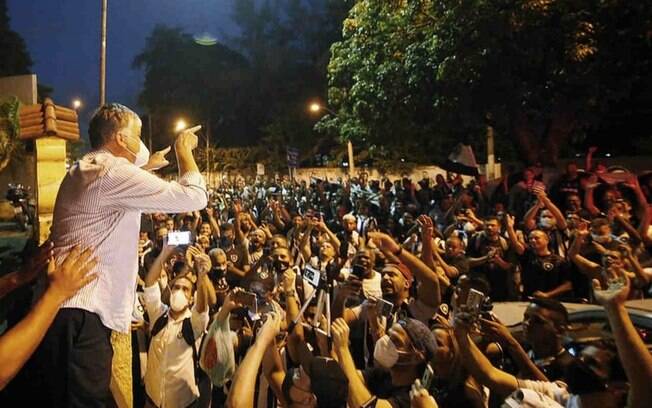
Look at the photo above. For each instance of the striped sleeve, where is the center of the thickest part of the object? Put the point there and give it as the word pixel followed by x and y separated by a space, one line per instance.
pixel 127 187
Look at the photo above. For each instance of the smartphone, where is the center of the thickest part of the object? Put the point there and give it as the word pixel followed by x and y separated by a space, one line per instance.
pixel 426 380
pixel 312 276
pixel 474 301
pixel 358 271
pixel 179 238
pixel 248 300
pixel 384 307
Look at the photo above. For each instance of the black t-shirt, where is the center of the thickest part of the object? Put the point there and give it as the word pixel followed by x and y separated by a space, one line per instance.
pixel 379 383
pixel 542 273
pixel 499 279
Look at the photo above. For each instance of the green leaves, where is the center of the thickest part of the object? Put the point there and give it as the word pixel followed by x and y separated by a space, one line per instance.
pixel 431 71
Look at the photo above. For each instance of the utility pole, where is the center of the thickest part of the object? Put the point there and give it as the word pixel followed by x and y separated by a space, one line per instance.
pixel 208 154
pixel 491 161
pixel 103 54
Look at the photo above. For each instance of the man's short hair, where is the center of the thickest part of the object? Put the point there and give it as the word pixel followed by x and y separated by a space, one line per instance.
pixel 553 305
pixel 107 121
pixel 493 218
pixel 599 222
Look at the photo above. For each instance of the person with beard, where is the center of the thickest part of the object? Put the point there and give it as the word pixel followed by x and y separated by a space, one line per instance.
pixel 400 356
pixel 488 254
pixel 395 287
pixel 350 240
pixel 170 379
pixel 544 274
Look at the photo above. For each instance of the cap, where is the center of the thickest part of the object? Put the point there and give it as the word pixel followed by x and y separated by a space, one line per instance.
pixel 421 337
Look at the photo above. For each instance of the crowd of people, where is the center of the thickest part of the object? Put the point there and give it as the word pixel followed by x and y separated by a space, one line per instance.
pixel 361 293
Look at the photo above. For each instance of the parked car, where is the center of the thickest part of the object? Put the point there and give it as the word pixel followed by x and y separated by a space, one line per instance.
pixel 588 323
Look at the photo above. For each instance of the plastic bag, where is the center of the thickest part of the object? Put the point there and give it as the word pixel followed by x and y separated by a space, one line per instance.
pixel 217 357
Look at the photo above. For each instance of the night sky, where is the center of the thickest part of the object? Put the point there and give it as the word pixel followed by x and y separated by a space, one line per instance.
pixel 62 37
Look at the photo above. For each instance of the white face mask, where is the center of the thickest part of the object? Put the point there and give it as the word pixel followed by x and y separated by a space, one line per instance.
pixel 178 301
pixel 385 352
pixel 546 223
pixel 142 157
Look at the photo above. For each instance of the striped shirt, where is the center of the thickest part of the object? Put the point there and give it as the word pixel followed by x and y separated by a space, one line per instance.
pixel 99 205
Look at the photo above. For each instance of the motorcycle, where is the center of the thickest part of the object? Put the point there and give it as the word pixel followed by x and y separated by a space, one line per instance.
pixel 24 210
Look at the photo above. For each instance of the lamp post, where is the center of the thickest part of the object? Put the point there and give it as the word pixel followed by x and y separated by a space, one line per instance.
pixel 316 107
pixel 103 54
pixel 76 104
pixel 180 125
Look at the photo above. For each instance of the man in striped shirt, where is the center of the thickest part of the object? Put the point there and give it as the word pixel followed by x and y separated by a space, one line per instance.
pixel 99 205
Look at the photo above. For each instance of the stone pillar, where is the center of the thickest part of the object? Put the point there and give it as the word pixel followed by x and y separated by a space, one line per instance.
pixel 50 170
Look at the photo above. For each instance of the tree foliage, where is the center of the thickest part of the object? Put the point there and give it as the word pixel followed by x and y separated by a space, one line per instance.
pixel 423 75
pixel 254 86
pixel 14 60
pixel 14 57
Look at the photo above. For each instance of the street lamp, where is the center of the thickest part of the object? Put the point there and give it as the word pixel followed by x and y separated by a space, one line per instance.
pixel 315 107
pixel 180 125
pixel 76 104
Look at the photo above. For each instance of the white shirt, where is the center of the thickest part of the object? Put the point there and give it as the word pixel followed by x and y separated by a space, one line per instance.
pixel 98 206
pixel 170 375
pixel 556 391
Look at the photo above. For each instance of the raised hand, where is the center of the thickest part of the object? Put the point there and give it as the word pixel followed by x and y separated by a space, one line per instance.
pixel 187 139
pixel 383 241
pixel 340 333
pixel 614 296
pixel 510 221
pixel 419 397
pixel 271 328
pixel 289 279
pixel 158 160
pixel 496 331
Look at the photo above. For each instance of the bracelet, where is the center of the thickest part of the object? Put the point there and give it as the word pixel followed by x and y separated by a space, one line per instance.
pixel 398 253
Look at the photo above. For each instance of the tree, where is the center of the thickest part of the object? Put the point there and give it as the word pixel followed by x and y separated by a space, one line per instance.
pixel 255 89
pixel 14 60
pixel 14 57
pixel 185 79
pixel 428 73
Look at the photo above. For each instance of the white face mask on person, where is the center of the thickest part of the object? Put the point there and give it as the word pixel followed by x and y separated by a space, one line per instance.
pixel 546 223
pixel 469 227
pixel 178 300
pixel 385 352
pixel 142 157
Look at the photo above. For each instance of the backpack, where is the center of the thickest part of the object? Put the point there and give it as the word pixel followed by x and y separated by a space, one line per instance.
pixel 189 337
